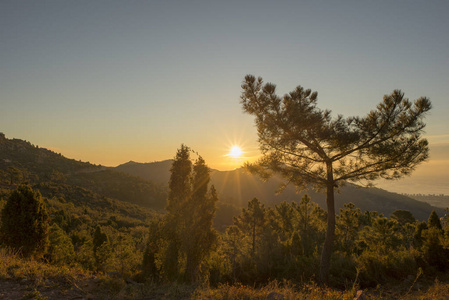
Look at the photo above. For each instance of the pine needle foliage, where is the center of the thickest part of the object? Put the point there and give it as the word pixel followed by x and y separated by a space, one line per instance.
pixel 307 146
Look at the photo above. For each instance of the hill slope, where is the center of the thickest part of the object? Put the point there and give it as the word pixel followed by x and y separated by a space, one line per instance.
pixel 145 184
pixel 237 187
pixel 22 162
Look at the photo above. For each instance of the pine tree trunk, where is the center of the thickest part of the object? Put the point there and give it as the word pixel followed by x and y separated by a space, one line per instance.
pixel 330 232
pixel 254 238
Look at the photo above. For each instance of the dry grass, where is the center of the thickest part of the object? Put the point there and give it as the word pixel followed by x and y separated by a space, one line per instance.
pixel 276 289
pixel 40 277
pixel 12 267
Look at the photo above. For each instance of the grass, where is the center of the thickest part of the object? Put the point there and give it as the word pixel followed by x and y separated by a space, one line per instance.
pixel 275 290
pixel 40 277
pixel 15 268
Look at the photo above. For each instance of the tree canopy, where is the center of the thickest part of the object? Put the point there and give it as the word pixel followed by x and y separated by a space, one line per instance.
pixel 24 222
pixel 307 146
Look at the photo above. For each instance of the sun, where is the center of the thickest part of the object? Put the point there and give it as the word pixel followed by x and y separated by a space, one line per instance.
pixel 236 152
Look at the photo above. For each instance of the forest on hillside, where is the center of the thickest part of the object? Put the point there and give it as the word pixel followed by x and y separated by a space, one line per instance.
pixel 83 216
pixel 264 244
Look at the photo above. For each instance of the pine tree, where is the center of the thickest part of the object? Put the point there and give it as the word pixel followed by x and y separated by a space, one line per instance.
pixel 434 221
pixel 348 223
pixel 403 216
pixel 61 248
pixel 307 146
pixel 308 219
pixel 251 221
pixel 101 247
pixel 24 222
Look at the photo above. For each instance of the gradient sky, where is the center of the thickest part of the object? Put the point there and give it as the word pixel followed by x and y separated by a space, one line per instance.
pixel 113 81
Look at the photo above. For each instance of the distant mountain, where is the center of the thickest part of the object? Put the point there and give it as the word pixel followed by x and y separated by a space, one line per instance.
pixel 22 162
pixel 145 184
pixel 157 172
pixel 237 187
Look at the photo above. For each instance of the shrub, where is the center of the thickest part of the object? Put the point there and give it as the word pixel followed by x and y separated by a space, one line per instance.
pixel 376 267
pixel 61 247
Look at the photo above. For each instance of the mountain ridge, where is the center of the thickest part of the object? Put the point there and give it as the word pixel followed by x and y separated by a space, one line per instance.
pixel 146 184
pixel 237 187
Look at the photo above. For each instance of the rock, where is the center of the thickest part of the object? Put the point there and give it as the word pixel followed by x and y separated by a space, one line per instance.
pixel 275 296
pixel 360 295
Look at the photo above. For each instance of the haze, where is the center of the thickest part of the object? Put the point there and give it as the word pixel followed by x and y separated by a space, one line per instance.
pixel 113 81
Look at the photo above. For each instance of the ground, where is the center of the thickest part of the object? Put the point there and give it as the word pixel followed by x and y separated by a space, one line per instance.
pixel 83 288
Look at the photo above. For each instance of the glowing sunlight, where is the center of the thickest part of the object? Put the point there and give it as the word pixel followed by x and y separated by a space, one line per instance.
pixel 236 152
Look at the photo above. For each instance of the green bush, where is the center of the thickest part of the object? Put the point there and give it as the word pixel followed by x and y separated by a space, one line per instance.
pixel 61 248
pixel 376 267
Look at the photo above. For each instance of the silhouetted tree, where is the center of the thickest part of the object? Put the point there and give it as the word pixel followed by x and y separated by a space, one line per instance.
pixel 434 221
pixel 180 190
pixel 251 221
pixel 308 218
pixel 434 253
pixel 188 228
pixel 24 222
pixel 418 236
pixel 382 236
pixel 307 146
pixel 101 247
pixel 149 267
pixel 198 236
pixel 403 216
pixel 348 223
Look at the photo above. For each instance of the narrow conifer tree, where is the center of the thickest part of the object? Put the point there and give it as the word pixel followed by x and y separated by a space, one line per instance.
pixel 179 192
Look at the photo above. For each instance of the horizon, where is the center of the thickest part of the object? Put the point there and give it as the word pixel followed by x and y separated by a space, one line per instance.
pixel 387 185
pixel 110 82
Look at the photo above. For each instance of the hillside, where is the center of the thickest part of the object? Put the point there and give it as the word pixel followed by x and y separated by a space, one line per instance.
pixel 22 162
pixel 237 187
pixel 145 184
pixel 440 200
pixel 157 172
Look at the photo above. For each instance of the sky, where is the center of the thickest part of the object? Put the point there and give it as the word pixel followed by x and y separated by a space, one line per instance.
pixel 113 81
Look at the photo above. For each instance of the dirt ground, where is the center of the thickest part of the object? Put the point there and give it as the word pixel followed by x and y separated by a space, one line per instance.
pixel 83 289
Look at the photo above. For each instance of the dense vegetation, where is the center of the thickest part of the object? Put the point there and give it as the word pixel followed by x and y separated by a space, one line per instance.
pixel 22 162
pixel 273 247
pixel 265 244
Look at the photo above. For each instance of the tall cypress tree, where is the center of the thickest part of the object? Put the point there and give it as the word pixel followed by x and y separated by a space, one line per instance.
pixel 180 191
pixel 188 228
pixel 200 210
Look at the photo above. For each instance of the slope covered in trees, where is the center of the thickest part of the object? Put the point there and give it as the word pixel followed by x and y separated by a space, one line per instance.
pixel 146 184
pixel 278 241
pixel 237 187
pixel 22 162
